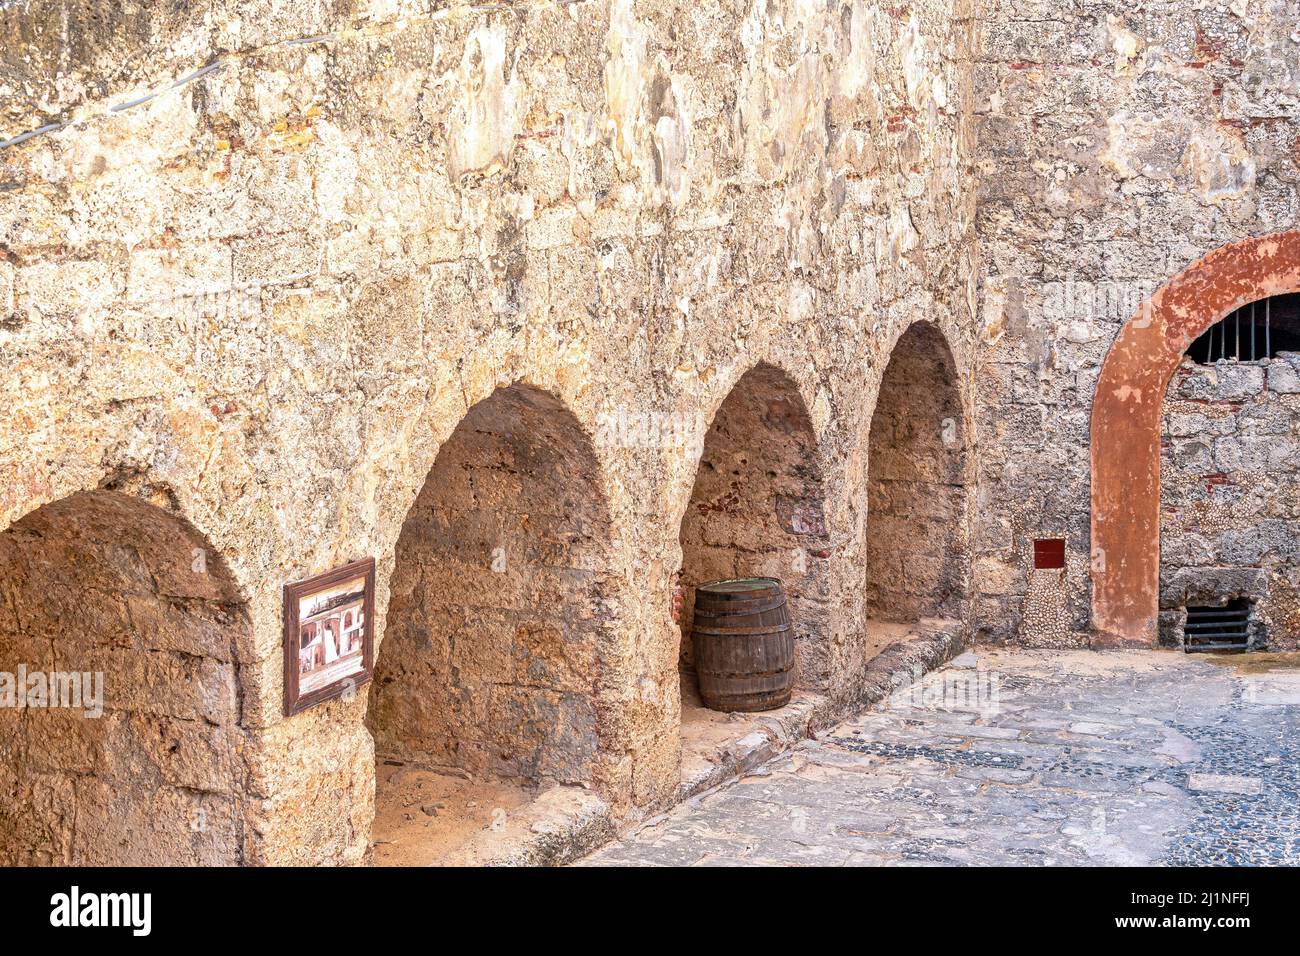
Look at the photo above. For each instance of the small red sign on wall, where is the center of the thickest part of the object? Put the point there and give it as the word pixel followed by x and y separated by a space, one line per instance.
pixel 1049 553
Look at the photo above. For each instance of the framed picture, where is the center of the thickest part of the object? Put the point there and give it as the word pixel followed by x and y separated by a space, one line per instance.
pixel 329 645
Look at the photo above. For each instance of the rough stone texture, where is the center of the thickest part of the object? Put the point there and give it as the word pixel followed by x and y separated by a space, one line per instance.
pixel 275 289
pixel 100 582
pixel 1230 496
pixel 259 259
pixel 1118 143
pixel 1080 758
pixel 917 492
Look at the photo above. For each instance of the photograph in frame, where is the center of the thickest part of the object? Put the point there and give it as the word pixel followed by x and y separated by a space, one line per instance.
pixel 328 634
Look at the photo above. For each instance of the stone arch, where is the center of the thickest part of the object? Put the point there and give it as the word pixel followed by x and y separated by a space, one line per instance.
pixel 501 612
pixel 1126 418
pixel 917 554
pixel 103 583
pixel 757 508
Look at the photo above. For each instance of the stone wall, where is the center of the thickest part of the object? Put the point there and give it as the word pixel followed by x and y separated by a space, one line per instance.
pixel 1117 144
pixel 266 255
pixel 1230 496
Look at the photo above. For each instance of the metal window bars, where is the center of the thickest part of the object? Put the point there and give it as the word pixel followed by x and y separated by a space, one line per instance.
pixel 1225 337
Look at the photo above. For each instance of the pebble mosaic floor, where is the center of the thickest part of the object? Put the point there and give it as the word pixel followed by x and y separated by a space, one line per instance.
pixel 1024 757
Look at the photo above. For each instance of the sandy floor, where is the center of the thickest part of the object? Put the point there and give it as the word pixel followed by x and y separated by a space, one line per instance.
pixel 880 634
pixel 707 731
pixel 420 816
pixel 1257 662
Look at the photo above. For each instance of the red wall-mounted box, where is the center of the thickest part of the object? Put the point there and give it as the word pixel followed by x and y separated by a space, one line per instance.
pixel 1049 553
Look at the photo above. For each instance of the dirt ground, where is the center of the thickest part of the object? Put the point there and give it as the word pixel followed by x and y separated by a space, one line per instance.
pixel 421 817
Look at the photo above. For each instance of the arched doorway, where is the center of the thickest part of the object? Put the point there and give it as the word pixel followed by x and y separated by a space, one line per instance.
pixel 1230 484
pixel 917 554
pixel 757 509
pixel 124 625
pixel 488 682
pixel 1126 421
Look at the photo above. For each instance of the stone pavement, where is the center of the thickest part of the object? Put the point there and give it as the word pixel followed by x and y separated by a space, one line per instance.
pixel 1023 757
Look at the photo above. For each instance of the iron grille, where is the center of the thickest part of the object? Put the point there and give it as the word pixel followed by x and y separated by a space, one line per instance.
pixel 1253 333
pixel 1217 628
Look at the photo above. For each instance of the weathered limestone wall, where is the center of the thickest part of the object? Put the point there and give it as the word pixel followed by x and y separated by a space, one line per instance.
pixel 1117 143
pixel 1230 494
pixel 276 288
pixel 142 765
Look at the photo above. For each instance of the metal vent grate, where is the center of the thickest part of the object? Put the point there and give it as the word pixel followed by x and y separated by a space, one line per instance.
pixel 1224 628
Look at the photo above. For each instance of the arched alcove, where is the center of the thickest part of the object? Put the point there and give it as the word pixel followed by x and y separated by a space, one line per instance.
pixel 120 613
pixel 498 623
pixel 757 509
pixel 917 555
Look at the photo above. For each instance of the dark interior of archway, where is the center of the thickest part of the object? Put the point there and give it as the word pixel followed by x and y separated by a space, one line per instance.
pixel 757 510
pixel 102 583
pixel 491 658
pixel 916 497
pixel 1256 331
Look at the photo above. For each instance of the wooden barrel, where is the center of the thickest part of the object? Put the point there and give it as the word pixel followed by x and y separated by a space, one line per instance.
pixel 744 644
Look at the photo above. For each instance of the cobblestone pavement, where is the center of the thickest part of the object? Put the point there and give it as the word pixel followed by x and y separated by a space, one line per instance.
pixel 1024 757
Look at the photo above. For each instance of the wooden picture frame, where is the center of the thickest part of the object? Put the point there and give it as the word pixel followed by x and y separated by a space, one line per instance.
pixel 329 635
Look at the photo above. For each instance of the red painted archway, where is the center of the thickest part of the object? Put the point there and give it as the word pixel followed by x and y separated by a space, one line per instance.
pixel 1126 421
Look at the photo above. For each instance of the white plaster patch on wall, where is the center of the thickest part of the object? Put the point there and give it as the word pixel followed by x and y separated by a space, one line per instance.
pixel 646 121
pixel 915 75
pixel 1127 46
pixel 624 72
pixel 858 56
pixel 671 145
pixel 780 109
pixel 6 288
pixel 484 116
pixel 901 236
pixel 1139 145
pixel 335 172
pixel 276 94
pixel 581 131
pixel 1219 164
pixel 152 133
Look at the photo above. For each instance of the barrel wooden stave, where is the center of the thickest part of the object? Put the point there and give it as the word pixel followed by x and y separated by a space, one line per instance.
pixel 744 645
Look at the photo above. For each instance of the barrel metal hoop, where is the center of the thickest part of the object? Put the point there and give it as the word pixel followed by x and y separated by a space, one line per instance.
pixel 747 675
pixel 770 605
pixel 755 631
pixel 717 597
